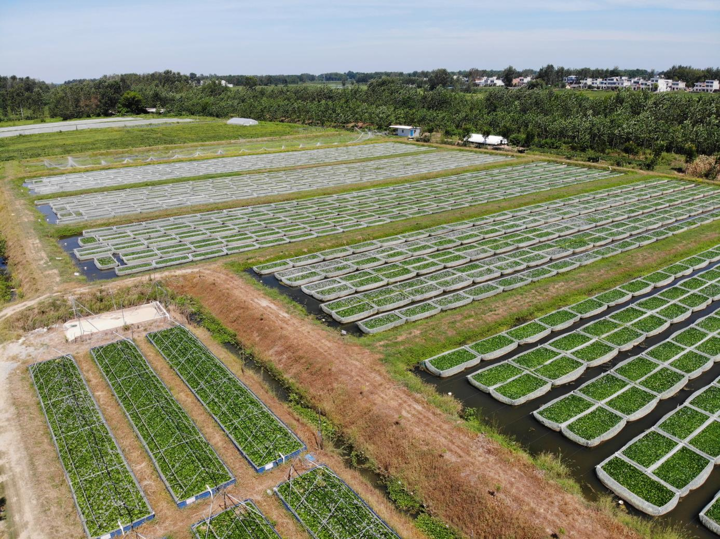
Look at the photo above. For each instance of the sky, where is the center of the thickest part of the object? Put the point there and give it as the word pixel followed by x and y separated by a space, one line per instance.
pixel 62 40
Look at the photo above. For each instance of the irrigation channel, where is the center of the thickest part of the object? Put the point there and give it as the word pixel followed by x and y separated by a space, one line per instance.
pixel 519 423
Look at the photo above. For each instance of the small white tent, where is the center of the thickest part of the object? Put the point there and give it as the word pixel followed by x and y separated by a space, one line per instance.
pixel 242 121
pixel 490 140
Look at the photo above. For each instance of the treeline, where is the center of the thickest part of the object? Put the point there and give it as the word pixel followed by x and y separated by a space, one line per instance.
pixel 626 120
pixel 545 118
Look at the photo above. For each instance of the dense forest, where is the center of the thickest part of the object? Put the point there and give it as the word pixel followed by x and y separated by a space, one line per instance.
pixel 628 121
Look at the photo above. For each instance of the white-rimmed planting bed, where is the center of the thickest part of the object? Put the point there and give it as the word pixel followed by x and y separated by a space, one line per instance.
pixel 601 408
pixel 518 258
pixel 688 353
pixel 710 516
pixel 672 305
pixel 107 495
pixel 256 432
pixel 186 462
pixel 249 228
pixel 654 470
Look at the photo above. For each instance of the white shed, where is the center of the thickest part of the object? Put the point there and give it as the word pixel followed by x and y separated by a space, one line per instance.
pixel 490 140
pixel 242 121
pixel 406 130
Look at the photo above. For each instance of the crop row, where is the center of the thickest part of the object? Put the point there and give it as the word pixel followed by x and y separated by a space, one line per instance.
pixel 241 521
pixel 496 346
pixel 136 200
pixel 186 462
pixel 107 495
pixel 329 509
pixel 256 432
pixel 654 470
pixel 226 165
pixel 254 227
pixel 508 271
pixel 565 358
pixel 600 409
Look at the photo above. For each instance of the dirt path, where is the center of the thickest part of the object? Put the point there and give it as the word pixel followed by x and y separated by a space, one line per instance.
pixel 468 480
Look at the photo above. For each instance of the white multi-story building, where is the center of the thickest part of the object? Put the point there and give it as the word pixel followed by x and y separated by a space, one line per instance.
pixel 489 81
pixel 678 86
pixel 658 84
pixel 707 86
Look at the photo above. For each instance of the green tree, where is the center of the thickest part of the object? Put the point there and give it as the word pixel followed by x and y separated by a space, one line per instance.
pixel 131 103
pixel 508 74
pixel 440 78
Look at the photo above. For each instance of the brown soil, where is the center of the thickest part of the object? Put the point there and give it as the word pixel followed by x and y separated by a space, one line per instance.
pixel 467 480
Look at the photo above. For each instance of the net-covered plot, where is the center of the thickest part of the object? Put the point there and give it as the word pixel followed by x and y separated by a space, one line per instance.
pixel 77 125
pixel 656 469
pixel 225 165
pixel 186 462
pixel 566 357
pixel 601 408
pixel 107 495
pixel 164 242
pixel 241 521
pixel 666 307
pixel 500 264
pixel 256 432
pixel 710 516
pixel 107 204
pixel 329 509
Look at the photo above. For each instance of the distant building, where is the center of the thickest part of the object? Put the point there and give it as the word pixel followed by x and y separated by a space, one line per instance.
pixel 481 140
pixel 408 131
pixel 655 84
pixel 707 86
pixel 521 81
pixel 221 81
pixel 484 82
pixel 678 86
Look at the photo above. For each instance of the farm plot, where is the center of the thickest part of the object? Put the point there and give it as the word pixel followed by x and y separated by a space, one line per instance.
pixel 76 125
pixel 496 346
pixel 241 521
pixel 329 509
pixel 106 204
pixel 107 495
pixel 397 275
pixel 564 359
pixel 225 165
pixel 254 430
pixel 186 462
pixel 163 242
pixel 653 471
pixel 710 516
pixel 600 409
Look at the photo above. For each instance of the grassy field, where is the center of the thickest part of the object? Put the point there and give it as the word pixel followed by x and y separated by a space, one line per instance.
pixel 90 140
pixel 15 123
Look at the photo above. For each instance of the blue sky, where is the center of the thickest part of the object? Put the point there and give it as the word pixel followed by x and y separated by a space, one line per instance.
pixel 60 40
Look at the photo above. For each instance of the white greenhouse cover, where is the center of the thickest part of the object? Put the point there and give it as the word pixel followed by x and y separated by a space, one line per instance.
pixel 242 121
